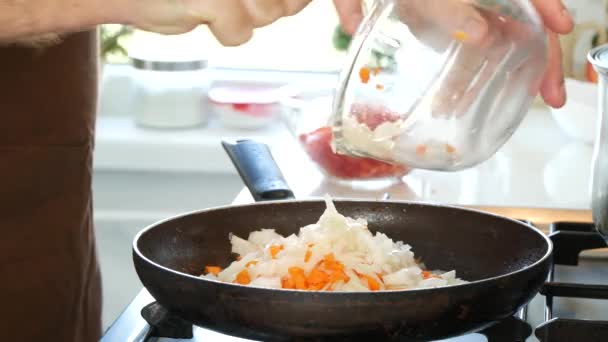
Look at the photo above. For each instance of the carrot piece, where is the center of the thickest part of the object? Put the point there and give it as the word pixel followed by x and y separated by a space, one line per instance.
pixel 243 277
pixel 330 263
pixel 420 150
pixel 317 279
pixel 274 250
pixel 287 283
pixel 215 270
pixel 307 256
pixel 298 277
pixel 379 87
pixel 428 274
pixel 364 74
pixel 460 35
pixel 252 262
pixel 449 148
pixel 338 275
pixel 372 284
pixel 316 287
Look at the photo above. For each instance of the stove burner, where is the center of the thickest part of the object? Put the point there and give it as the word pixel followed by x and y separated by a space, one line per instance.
pixel 569 240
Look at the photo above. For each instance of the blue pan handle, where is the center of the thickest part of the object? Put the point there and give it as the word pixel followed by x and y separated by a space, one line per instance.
pixel 258 170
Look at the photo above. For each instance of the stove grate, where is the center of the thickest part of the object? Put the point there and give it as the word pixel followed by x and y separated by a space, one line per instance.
pixel 569 240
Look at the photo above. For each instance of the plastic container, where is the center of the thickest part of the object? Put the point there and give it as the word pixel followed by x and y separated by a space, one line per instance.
pixel 170 81
pixel 422 91
pixel 170 94
pixel 245 106
pixel 306 110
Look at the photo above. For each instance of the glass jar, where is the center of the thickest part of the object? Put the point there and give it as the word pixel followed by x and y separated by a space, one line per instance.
pixel 306 109
pixel 426 88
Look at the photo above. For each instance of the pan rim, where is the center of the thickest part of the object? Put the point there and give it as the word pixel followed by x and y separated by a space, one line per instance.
pixel 479 282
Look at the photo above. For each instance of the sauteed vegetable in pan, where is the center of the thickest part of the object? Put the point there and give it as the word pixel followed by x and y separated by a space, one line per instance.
pixel 337 253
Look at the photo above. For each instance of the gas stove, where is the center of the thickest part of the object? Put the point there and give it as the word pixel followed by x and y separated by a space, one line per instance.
pixel 573 303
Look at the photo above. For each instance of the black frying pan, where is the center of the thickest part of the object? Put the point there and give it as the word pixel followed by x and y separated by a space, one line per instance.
pixel 506 260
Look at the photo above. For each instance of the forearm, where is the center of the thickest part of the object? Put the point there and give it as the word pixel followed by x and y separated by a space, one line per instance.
pixel 28 18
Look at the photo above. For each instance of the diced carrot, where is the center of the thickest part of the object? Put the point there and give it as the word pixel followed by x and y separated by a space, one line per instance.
pixel 307 256
pixel 338 275
pixel 449 148
pixel 364 74
pixel 287 283
pixel 428 274
pixel 274 250
pixel 316 287
pixel 420 150
pixel 372 283
pixel 317 278
pixel 330 263
pixel 460 36
pixel 298 277
pixel 215 270
pixel 243 277
pixel 252 262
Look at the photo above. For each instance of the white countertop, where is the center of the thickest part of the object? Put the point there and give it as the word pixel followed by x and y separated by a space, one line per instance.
pixel 539 167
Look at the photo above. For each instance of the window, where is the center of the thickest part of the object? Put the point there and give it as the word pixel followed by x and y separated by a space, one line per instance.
pixel 299 43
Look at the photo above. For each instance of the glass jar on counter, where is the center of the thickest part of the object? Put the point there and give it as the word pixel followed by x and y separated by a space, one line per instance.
pixel 171 82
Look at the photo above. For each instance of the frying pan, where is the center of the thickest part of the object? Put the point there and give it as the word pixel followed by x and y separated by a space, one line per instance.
pixel 506 262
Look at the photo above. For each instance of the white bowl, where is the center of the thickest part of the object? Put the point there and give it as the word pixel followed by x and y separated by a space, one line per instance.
pixel 577 118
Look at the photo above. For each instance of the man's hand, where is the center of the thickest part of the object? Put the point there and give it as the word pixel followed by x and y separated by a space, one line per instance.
pixel 457 15
pixel 231 21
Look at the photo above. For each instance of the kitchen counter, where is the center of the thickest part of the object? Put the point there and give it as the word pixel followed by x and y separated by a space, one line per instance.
pixel 539 167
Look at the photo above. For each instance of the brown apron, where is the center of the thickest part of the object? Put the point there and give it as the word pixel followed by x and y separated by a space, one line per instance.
pixel 50 288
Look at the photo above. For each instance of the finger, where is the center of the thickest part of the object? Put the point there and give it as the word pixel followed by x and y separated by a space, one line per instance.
pixel 294 6
pixel 266 12
pixel 555 15
pixel 454 17
pixel 552 88
pixel 232 27
pixel 350 14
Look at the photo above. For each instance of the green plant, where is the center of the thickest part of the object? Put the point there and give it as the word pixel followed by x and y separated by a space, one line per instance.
pixel 112 39
pixel 380 58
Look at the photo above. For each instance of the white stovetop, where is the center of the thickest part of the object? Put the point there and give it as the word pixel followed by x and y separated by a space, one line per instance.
pixel 539 167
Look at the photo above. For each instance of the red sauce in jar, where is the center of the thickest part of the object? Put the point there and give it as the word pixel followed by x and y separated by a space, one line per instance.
pixel 318 146
pixel 373 116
